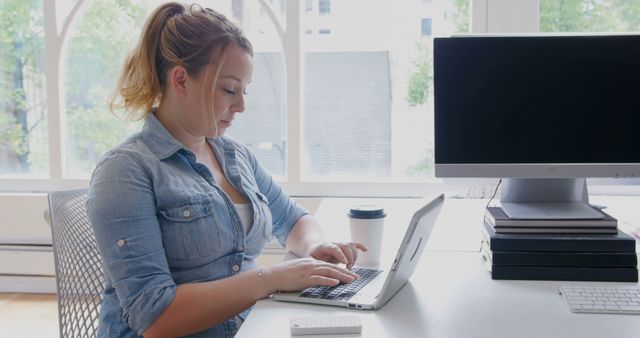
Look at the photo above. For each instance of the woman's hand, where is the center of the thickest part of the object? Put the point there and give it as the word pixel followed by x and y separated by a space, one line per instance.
pixel 302 273
pixel 338 252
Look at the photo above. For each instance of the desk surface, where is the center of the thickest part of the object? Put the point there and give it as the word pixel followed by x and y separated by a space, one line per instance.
pixel 451 294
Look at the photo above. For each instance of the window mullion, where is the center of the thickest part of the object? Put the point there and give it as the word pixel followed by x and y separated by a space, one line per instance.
pixel 294 61
pixel 478 16
pixel 512 16
pixel 52 63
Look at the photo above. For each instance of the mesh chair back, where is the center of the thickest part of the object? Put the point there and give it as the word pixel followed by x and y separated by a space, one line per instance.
pixel 79 275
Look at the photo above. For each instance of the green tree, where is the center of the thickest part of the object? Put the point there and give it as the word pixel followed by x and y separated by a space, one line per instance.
pixel 94 58
pixel 629 12
pixel 21 70
pixel 461 16
pixel 422 76
pixel 421 80
pixel 424 167
pixel 419 86
pixel 561 16
pixel 589 15
pixel 96 53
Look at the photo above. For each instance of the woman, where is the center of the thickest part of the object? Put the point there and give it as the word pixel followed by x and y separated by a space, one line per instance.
pixel 181 211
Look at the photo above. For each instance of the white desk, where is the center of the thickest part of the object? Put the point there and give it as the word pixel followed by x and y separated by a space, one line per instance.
pixel 451 294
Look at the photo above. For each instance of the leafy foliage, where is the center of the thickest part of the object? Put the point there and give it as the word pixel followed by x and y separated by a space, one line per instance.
pixel 589 15
pixel 461 16
pixel 96 50
pixel 96 53
pixel 422 77
pixel 11 135
pixel 21 79
pixel 424 167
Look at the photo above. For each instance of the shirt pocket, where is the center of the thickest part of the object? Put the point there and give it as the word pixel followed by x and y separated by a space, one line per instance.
pixel 189 230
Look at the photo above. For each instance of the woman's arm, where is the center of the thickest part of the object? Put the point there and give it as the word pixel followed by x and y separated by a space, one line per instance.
pixel 198 306
pixel 306 239
pixel 295 228
pixel 122 211
pixel 305 234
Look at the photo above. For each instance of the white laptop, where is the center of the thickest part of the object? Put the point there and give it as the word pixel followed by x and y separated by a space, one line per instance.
pixel 378 285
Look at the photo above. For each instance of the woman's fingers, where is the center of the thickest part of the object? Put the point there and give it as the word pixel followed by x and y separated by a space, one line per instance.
pixel 316 280
pixel 360 246
pixel 344 276
pixel 302 273
pixel 348 253
pixel 338 253
pixel 341 269
pixel 354 253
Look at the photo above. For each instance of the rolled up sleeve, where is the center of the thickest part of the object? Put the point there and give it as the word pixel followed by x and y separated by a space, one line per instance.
pixel 121 208
pixel 284 210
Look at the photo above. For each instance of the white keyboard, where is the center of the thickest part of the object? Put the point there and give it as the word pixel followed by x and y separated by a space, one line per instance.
pixel 325 325
pixel 602 299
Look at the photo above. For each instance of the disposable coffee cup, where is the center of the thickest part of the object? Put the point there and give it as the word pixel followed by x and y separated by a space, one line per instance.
pixel 367 223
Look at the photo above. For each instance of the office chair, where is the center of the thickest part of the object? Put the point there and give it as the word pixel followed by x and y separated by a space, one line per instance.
pixel 79 275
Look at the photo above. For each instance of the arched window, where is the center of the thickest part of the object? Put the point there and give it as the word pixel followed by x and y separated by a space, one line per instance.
pixel 93 58
pixel 23 110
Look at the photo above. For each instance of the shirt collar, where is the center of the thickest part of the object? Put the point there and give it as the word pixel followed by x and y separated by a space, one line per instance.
pixel 162 143
pixel 158 138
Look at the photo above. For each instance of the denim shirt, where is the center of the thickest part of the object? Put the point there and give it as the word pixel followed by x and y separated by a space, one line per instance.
pixel 160 220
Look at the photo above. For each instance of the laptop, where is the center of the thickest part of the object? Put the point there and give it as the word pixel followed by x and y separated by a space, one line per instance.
pixel 375 287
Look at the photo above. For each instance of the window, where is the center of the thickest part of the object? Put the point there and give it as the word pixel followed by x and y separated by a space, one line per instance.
pixel 361 118
pixel 262 125
pixel 24 132
pixel 95 55
pixel 425 26
pixel 96 50
pixel 364 72
pixel 367 93
pixel 324 7
pixel 589 16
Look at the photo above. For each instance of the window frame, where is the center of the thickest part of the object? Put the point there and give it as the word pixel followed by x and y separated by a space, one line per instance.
pixel 486 16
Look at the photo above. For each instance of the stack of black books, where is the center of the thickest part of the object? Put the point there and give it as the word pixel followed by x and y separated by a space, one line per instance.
pixel 566 250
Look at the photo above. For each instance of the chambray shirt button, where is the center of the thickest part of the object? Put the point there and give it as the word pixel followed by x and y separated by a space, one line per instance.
pixel 240 248
pixel 120 242
pixel 235 268
pixel 186 213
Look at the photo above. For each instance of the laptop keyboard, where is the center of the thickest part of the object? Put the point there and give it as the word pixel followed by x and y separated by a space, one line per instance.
pixel 342 291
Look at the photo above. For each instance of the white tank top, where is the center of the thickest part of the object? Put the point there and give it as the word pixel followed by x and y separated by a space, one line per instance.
pixel 246 215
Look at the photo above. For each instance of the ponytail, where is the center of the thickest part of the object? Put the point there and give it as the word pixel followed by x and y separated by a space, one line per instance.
pixel 174 35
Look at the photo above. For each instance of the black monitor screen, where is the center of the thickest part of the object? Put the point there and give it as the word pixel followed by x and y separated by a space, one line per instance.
pixel 537 99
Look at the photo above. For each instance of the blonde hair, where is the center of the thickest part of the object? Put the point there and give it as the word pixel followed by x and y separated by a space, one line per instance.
pixel 174 35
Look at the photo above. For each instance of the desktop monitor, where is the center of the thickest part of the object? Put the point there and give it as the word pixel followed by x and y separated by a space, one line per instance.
pixel 542 112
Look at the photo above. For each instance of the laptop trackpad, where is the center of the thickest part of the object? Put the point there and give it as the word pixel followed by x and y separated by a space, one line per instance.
pixel 372 289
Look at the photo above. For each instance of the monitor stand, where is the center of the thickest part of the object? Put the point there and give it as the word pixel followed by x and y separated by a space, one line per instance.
pixel 547 198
